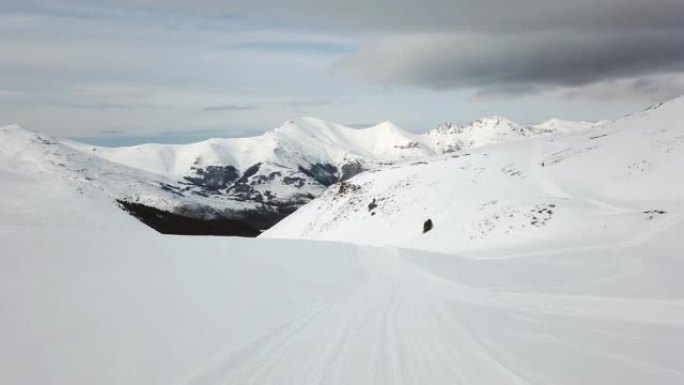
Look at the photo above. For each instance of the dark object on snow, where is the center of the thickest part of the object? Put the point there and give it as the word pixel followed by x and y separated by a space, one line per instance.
pixel 346 187
pixel 427 226
pixel 372 205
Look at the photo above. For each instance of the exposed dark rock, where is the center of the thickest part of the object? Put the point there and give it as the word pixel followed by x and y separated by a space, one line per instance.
pixel 294 180
pixel 651 214
pixel 171 223
pixel 409 145
pixel 372 205
pixel 248 173
pixel 242 188
pixel 351 169
pixel 214 178
pixel 206 221
pixel 171 189
pixel 346 187
pixel 325 174
pixel 427 226
pixel 258 179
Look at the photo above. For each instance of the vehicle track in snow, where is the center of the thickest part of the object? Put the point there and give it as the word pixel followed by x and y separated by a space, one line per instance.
pixel 406 324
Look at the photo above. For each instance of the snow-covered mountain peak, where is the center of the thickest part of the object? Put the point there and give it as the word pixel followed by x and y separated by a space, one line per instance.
pixel 322 129
pixel 521 194
pixel 386 127
pixel 561 126
pixel 270 174
pixel 19 142
pixel 499 124
pixel 450 137
pixel 308 125
pixel 446 128
pixel 11 127
pixel 490 121
pixel 18 130
pixel 316 138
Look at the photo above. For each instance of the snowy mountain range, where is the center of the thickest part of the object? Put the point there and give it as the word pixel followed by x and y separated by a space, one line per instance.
pixel 240 186
pixel 552 260
pixel 599 185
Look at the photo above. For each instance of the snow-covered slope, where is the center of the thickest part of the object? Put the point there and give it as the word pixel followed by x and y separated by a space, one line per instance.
pixel 614 184
pixel 294 144
pixel 560 126
pixel 450 137
pixel 39 200
pixel 261 179
pixel 88 296
pixel 26 152
pixel 255 181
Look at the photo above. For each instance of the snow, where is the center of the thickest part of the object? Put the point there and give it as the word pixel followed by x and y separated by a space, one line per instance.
pixel 314 139
pixel 560 126
pixel 603 186
pixel 26 152
pixel 320 141
pixel 595 296
pixel 450 137
pixel 84 307
pixel 294 162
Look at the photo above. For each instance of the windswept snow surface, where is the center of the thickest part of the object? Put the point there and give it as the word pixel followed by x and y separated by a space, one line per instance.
pixel 90 296
pixel 100 307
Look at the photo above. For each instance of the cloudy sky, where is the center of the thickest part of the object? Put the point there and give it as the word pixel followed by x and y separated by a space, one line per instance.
pixel 173 70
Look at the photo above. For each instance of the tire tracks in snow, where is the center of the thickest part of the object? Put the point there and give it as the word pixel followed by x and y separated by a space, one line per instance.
pixel 404 324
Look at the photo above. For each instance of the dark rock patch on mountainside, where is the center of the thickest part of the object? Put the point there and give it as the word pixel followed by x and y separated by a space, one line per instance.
pixel 214 178
pixel 325 174
pixel 351 169
pixel 194 222
pixel 251 170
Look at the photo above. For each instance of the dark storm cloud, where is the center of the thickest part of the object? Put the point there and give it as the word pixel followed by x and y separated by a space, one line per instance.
pixel 490 45
pixel 453 15
pixel 519 61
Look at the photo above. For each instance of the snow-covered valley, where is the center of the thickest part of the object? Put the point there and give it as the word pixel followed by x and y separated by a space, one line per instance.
pixel 553 260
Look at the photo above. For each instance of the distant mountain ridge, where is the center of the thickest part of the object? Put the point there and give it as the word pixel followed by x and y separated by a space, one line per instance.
pixel 256 181
pixel 614 182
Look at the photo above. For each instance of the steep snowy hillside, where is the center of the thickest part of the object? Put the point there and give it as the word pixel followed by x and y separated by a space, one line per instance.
pixel 28 154
pixel 39 200
pixel 243 185
pixel 89 296
pixel 614 184
pixel 258 180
